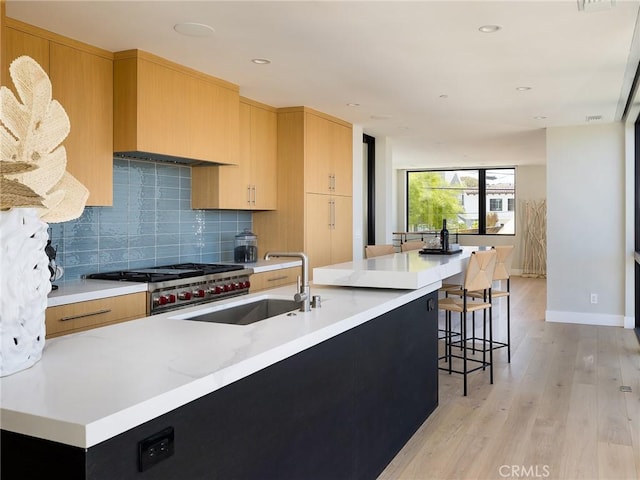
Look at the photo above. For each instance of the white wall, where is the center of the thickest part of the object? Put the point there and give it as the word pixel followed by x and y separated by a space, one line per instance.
pixel 586 224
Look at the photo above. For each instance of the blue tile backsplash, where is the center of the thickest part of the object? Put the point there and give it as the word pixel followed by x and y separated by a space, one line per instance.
pixel 151 223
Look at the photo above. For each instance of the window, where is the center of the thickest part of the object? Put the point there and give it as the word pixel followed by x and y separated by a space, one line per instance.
pixel 471 200
pixel 495 204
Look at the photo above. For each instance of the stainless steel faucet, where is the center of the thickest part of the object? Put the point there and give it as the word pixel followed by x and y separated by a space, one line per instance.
pixel 304 293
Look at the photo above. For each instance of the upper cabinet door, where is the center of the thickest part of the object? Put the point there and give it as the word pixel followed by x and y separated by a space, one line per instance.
pixel 264 158
pixel 83 84
pixel 318 163
pixel 82 81
pixel 16 43
pixel 167 109
pixel 329 153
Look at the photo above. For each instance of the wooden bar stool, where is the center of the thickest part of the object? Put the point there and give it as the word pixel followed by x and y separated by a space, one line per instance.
pixel 504 259
pixel 478 277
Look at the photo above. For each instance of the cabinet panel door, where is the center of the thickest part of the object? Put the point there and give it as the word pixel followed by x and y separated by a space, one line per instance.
pixel 18 43
pixel 235 180
pixel 318 165
pixel 318 222
pixel 76 317
pixel 342 232
pixel 83 84
pixel 264 153
pixel 342 159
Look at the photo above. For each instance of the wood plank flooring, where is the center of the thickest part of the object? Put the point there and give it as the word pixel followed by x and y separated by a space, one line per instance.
pixel 556 412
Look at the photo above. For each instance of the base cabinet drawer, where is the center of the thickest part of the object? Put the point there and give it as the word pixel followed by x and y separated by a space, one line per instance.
pixel 75 317
pixel 274 278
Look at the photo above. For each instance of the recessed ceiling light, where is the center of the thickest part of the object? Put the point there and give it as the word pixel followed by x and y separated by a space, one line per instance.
pixel 523 89
pixel 444 96
pixel 489 28
pixel 539 117
pixel 591 118
pixel 192 29
pixel 261 61
pixel 353 104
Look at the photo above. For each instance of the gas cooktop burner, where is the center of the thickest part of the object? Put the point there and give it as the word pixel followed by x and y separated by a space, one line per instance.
pixel 166 272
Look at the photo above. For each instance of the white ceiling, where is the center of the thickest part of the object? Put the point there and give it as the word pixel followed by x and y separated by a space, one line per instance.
pixel 397 60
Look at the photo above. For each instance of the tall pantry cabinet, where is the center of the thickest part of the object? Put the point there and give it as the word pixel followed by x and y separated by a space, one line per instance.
pixel 315 206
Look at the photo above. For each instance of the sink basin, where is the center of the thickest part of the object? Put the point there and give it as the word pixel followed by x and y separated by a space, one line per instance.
pixel 249 313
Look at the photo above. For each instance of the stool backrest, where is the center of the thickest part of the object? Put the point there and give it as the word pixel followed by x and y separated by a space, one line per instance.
pixel 377 250
pixel 479 275
pixel 412 245
pixel 504 258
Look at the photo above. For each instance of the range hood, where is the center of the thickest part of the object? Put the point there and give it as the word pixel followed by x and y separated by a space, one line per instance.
pixel 159 157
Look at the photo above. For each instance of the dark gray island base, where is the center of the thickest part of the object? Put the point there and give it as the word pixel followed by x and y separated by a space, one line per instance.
pixel 339 410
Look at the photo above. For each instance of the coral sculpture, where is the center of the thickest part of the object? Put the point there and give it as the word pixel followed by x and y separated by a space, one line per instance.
pixel 34 189
pixel 33 161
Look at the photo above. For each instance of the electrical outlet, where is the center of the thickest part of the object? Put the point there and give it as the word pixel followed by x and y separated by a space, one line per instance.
pixel 594 298
pixel 155 448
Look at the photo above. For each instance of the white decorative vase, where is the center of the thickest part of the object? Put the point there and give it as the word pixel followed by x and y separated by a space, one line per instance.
pixel 25 284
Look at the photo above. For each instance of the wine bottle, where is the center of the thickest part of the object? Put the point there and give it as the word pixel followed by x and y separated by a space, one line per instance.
pixel 444 236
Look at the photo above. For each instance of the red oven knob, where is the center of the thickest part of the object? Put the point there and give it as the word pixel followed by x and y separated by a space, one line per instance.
pixel 227 287
pixel 163 300
pixel 198 293
pixel 247 284
pixel 218 289
pixel 172 298
pixel 184 295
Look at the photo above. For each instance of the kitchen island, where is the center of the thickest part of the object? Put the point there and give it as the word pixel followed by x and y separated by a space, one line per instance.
pixel 334 392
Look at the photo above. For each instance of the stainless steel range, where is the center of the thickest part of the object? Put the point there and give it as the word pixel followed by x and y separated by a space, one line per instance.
pixel 185 284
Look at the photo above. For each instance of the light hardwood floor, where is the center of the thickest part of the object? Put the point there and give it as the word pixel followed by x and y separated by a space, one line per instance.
pixel 556 412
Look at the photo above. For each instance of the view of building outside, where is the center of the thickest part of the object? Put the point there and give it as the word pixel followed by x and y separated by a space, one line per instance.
pixel 455 195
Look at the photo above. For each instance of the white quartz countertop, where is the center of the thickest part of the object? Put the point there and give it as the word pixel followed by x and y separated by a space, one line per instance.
pixel 85 290
pixel 93 385
pixel 407 270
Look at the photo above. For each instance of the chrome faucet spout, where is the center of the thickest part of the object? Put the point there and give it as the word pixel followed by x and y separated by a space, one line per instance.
pixel 303 295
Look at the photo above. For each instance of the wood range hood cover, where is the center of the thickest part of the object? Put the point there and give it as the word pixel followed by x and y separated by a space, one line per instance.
pixel 159 157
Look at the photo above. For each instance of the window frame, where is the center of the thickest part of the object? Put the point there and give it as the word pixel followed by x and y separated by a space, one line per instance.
pixel 483 204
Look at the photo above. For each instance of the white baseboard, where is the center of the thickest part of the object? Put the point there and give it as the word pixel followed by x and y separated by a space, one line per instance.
pixel 629 322
pixel 602 319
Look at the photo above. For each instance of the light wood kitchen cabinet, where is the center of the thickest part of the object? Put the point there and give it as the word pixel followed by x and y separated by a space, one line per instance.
pixel 82 81
pixel 166 109
pixel 251 185
pixel 76 317
pixel 329 156
pixel 83 84
pixel 317 223
pixel 274 278
pixel 17 42
pixel 329 224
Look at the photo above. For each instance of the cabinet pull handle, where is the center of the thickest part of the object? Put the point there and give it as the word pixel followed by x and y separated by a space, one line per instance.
pixel 273 279
pixel 82 315
pixel 255 197
pixel 249 194
pixel 332 214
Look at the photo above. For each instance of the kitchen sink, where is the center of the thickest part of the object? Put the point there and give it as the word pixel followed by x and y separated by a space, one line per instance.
pixel 249 313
